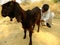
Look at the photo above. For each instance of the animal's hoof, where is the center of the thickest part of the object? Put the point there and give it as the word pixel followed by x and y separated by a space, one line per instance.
pixel 30 43
pixel 37 31
pixel 24 37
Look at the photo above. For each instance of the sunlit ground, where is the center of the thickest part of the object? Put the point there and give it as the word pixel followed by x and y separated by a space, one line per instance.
pixel 11 33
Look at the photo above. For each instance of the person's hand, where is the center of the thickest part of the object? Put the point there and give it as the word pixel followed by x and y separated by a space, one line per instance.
pixel 42 21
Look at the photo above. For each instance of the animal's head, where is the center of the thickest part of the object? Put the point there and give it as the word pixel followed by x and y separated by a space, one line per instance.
pixel 7 8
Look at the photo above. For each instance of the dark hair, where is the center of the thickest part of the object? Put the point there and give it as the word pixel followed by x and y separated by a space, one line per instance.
pixel 45 7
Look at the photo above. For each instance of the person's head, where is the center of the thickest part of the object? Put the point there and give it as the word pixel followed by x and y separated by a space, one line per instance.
pixel 45 8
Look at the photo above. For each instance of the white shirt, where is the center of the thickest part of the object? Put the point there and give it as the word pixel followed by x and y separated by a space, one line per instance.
pixel 47 17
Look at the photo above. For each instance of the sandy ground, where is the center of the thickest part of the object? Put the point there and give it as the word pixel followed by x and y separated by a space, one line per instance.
pixel 11 33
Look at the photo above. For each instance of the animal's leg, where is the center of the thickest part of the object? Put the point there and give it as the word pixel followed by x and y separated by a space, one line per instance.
pixel 30 35
pixel 33 26
pixel 24 33
pixel 38 26
pixel 11 19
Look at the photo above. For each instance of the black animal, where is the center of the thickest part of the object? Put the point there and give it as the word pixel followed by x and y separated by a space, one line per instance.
pixel 13 9
pixel 28 18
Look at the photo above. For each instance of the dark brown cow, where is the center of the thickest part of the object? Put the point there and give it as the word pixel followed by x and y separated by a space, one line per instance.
pixel 32 17
pixel 37 14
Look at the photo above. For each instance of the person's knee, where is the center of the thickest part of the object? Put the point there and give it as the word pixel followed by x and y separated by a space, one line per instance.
pixel 53 14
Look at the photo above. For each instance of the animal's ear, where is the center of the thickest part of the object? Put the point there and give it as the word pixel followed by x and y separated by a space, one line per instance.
pixel 1 5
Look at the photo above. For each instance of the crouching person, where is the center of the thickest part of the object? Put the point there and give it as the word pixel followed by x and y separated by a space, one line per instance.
pixel 47 16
